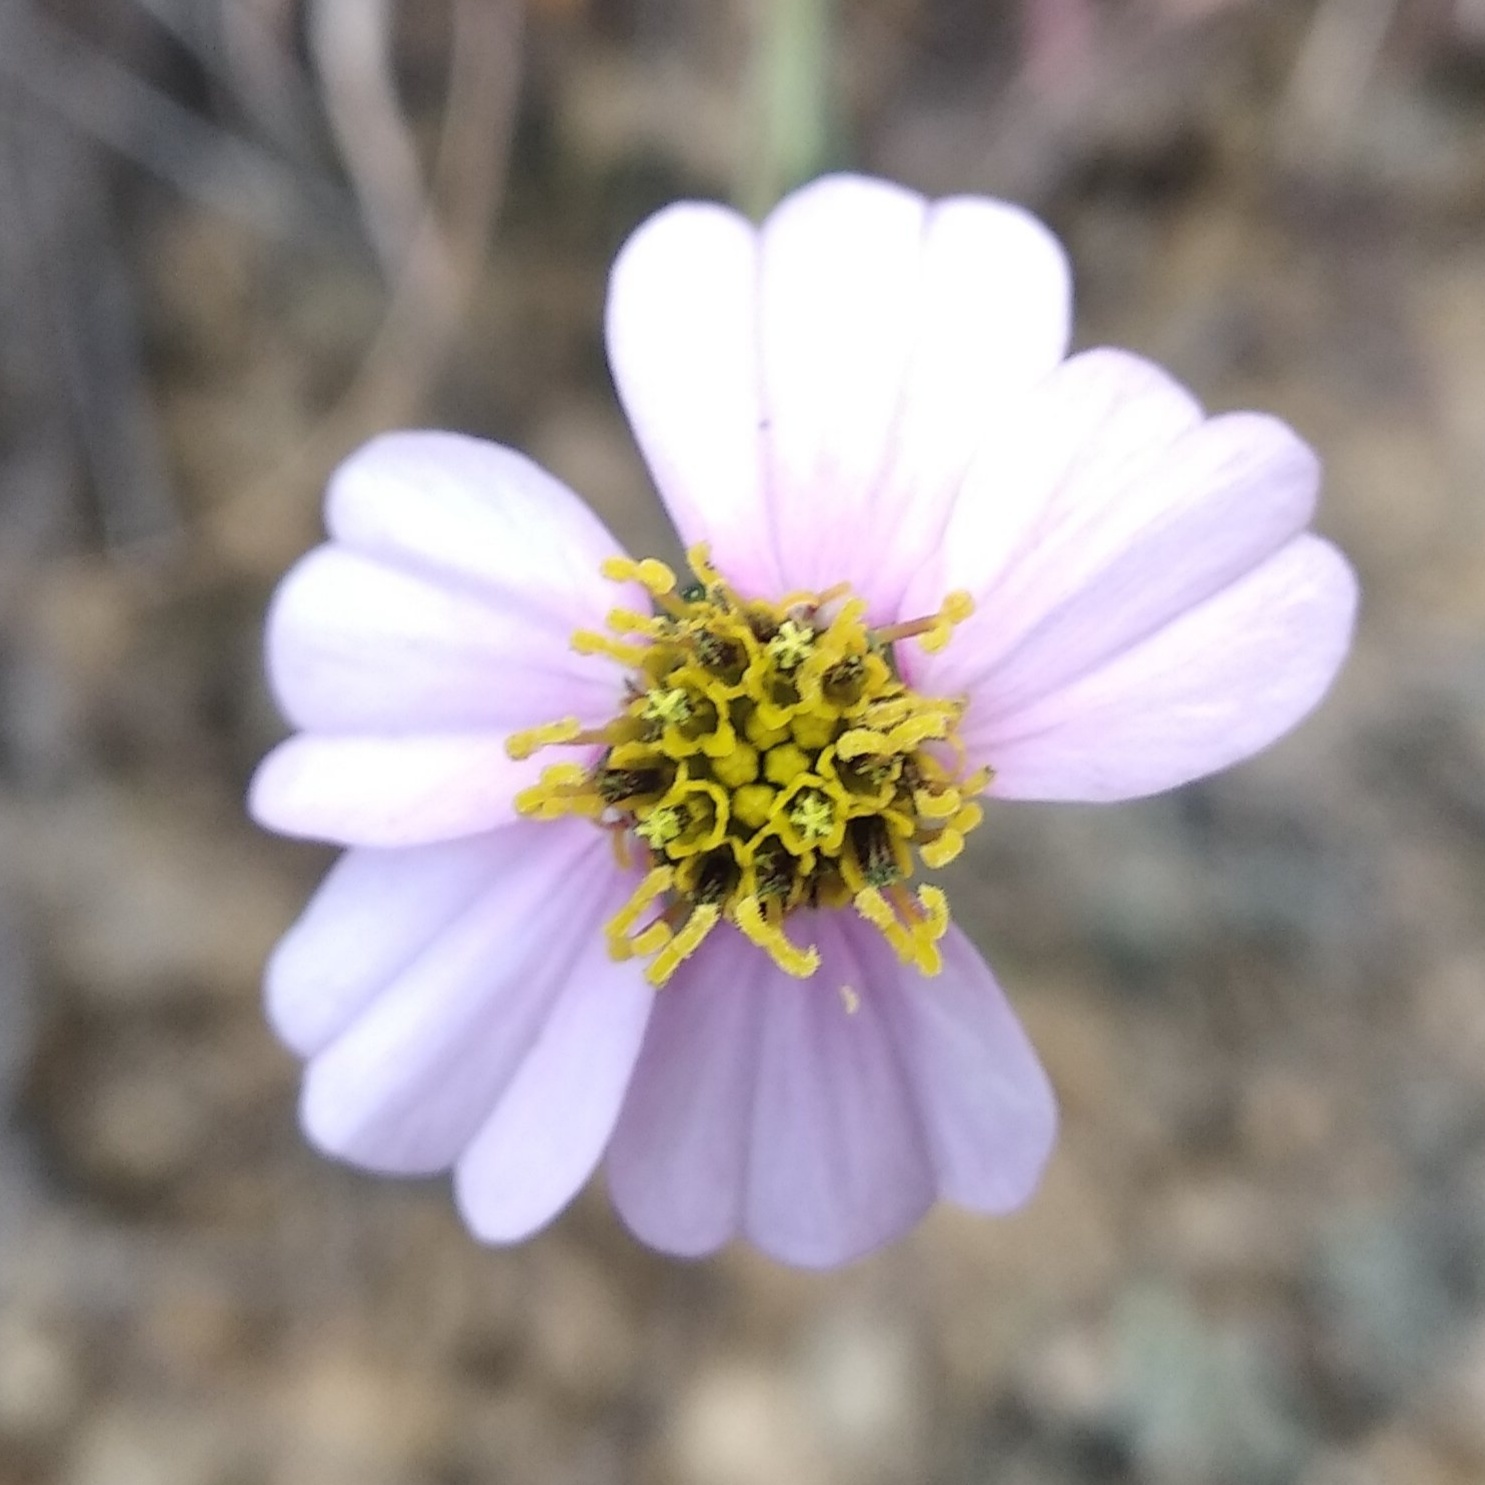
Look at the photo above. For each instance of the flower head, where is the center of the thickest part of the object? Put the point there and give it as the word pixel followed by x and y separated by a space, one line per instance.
pixel 636 857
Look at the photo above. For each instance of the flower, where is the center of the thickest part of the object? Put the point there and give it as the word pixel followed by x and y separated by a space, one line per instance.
pixel 631 856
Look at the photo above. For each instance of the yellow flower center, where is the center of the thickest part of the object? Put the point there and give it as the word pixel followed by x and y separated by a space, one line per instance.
pixel 769 758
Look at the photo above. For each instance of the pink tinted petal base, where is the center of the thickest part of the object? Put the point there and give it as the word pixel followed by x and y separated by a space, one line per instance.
pixel 427 1061
pixel 762 1107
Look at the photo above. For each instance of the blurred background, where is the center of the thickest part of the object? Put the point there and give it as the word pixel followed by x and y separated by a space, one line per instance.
pixel 239 236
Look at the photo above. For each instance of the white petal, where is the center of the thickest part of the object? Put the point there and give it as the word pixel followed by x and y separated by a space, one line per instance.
pixel 409 1083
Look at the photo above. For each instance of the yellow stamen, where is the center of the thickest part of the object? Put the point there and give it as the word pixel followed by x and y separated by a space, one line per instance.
pixel 940 852
pixel 660 826
pixel 862 742
pixel 801 963
pixel 590 642
pixel 791 646
pixel 753 804
pixel 937 806
pixel 617 928
pixel 701 922
pixel 766 756
pixel 934 631
pixel 670 707
pixel 812 815
pixel 650 574
pixel 626 621
pixel 783 764
pixel 520 745
pixel 652 939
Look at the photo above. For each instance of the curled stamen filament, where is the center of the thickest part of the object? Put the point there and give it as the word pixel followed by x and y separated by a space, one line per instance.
pixel 656 881
pixel 769 936
pixel 683 944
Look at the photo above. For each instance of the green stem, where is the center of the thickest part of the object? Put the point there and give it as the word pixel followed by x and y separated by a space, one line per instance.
pixel 793 100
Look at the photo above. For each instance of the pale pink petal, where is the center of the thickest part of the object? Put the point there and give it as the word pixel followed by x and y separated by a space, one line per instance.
pixel 408 1084
pixel 829 379
pixel 374 913
pixel 438 621
pixel 1226 497
pixel 840 1163
pixel 1057 490
pixel 678 1164
pixel 385 789
pixel 841 294
pixel 1211 688
pixel 356 644
pixel 1116 559
pixel 682 330
pixel 993 319
pixel 767 1107
pixel 549 1130
pixel 988 1111
pixel 455 508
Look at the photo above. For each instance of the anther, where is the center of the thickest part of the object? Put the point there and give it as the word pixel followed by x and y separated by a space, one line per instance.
pixel 812 815
pixel 521 745
pixel 617 784
pixel 792 645
pixel 660 826
pixel 872 842
pixel 668 706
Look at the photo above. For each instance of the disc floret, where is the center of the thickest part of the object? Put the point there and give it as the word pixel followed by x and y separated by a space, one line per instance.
pixel 769 757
